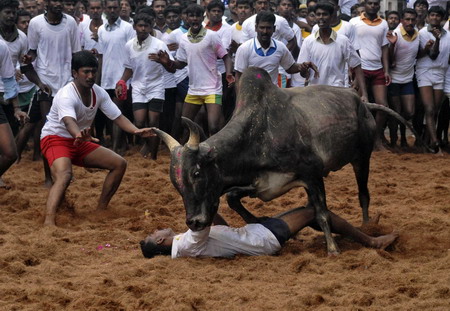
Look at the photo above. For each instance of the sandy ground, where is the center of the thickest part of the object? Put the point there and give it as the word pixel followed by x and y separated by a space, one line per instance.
pixel 91 261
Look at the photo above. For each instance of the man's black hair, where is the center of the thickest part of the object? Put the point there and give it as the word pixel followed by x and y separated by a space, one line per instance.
pixel 195 9
pixel 309 1
pixel 172 9
pixel 409 11
pixel 312 9
pixel 294 3
pixel 151 249
pixel 326 6
pixel 265 16
pixel 424 2
pixel 167 3
pixel 215 4
pixel 146 18
pixel 242 2
pixel 146 10
pixel 104 2
pixel 22 13
pixel 83 59
pixel 9 4
pixel 393 12
pixel 438 10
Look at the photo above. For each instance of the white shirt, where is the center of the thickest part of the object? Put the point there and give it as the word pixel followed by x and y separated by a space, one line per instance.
pixel 67 103
pixel 223 241
pixel 224 34
pixel 370 40
pixel 6 65
pixel 405 58
pixel 283 31
pixel 346 6
pixel 251 54
pixel 236 33
pixel 148 76
pixel 330 59
pixel 170 80
pixel 441 3
pixel 17 48
pixel 201 57
pixel 55 45
pixel 343 28
pixel 175 37
pixel 112 40
pixel 441 62
pixel 87 43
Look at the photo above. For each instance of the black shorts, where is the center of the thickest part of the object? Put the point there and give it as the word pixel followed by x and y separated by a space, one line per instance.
pixel 279 228
pixel 35 111
pixel 43 97
pixel 182 89
pixel 3 118
pixel 154 104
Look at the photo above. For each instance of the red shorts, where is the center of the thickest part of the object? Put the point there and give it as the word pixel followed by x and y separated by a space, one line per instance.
pixel 54 147
pixel 374 77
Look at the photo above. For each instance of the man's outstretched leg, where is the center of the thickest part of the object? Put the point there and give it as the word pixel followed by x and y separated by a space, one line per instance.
pixel 299 218
pixel 104 158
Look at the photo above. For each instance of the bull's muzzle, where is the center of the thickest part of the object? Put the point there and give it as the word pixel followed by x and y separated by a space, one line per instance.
pixel 198 223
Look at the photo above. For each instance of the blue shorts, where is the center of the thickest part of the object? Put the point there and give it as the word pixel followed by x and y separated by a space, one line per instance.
pixel 279 228
pixel 400 89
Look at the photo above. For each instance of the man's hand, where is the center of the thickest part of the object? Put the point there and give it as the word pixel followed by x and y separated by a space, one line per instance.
pixel 387 78
pixel 21 116
pixel 26 59
pixel 19 76
pixel 392 37
pixel 161 57
pixel 45 88
pixel 304 69
pixel 145 132
pixel 84 135
pixel 172 46
pixel 436 33
pixel 428 45
pixel 230 79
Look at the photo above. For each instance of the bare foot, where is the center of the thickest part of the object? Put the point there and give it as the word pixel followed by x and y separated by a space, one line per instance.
pixel 384 241
pixel 3 185
pixel 50 220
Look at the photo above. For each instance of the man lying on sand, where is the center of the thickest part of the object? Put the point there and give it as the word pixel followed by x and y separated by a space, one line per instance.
pixel 265 238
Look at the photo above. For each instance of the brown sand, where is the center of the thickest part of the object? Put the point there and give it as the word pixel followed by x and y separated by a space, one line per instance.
pixel 92 261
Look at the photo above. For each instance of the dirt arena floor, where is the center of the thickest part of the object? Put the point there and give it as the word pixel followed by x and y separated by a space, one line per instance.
pixel 91 261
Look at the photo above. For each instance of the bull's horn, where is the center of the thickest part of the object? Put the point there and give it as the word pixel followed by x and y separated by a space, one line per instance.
pixel 167 139
pixel 194 135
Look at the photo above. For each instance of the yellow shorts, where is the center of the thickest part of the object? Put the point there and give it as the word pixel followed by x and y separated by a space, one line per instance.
pixel 203 99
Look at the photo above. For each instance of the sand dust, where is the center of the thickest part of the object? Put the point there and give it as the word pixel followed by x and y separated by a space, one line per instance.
pixel 91 261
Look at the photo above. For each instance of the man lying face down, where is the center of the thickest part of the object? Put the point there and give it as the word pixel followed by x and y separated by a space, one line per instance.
pixel 265 238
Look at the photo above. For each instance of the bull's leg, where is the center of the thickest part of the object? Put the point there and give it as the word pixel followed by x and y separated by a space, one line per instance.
pixel 361 169
pixel 234 202
pixel 316 194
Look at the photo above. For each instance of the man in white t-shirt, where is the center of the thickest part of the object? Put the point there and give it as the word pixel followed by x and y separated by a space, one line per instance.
pixel 199 49
pixel 66 138
pixel 255 239
pixel 244 9
pixel 148 86
pixel 267 53
pixel 330 52
pixel 112 37
pixel 8 152
pixel 432 64
pixel 371 31
pixel 403 49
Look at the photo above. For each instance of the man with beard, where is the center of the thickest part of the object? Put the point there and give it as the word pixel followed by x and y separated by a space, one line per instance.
pixel 160 22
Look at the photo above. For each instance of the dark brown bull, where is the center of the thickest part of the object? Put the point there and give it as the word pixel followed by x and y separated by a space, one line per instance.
pixel 277 139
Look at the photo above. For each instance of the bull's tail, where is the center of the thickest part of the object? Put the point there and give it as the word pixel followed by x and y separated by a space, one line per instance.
pixel 397 116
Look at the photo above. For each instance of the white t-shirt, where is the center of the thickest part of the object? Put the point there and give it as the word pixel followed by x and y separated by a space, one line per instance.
pixel 236 33
pixel 330 59
pixel 370 40
pixel 346 6
pixel 17 48
pixel 224 34
pixel 112 40
pixel 67 103
pixel 87 43
pixel 405 58
pixel 343 28
pixel 175 37
pixel 447 82
pixel 251 54
pixel 223 241
pixel 55 45
pixel 148 76
pixel 441 62
pixel 201 57
pixel 6 65
pixel 441 3
pixel 283 31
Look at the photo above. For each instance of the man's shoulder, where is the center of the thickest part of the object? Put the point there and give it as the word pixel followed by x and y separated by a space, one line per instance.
pixel 355 20
pixel 249 21
pixel 38 19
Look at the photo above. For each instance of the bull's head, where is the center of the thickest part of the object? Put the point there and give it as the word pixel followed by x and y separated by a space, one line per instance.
pixel 195 174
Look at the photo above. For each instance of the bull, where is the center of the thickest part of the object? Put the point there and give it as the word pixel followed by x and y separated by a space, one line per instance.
pixel 277 139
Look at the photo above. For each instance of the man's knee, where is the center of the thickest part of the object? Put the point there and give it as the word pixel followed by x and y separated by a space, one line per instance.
pixel 10 156
pixel 64 177
pixel 120 165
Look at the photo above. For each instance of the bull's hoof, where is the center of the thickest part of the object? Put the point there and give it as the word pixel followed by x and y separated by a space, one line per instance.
pixel 333 253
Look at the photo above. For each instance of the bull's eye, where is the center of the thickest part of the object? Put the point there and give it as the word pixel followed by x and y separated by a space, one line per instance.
pixel 196 174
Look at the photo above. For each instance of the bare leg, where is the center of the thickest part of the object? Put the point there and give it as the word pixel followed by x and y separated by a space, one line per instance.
pixel 8 151
pixel 62 174
pixel 301 217
pixel 118 136
pixel 408 110
pixel 429 100
pixel 140 120
pixel 106 159
pixel 22 138
pixel 153 121
pixel 45 109
pixel 380 95
pixel 395 105
pixel 215 118
pixel 189 111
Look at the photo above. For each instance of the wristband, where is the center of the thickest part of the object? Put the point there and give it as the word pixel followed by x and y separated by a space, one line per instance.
pixel 123 84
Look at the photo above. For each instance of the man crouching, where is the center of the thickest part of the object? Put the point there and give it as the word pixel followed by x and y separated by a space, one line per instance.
pixel 66 138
